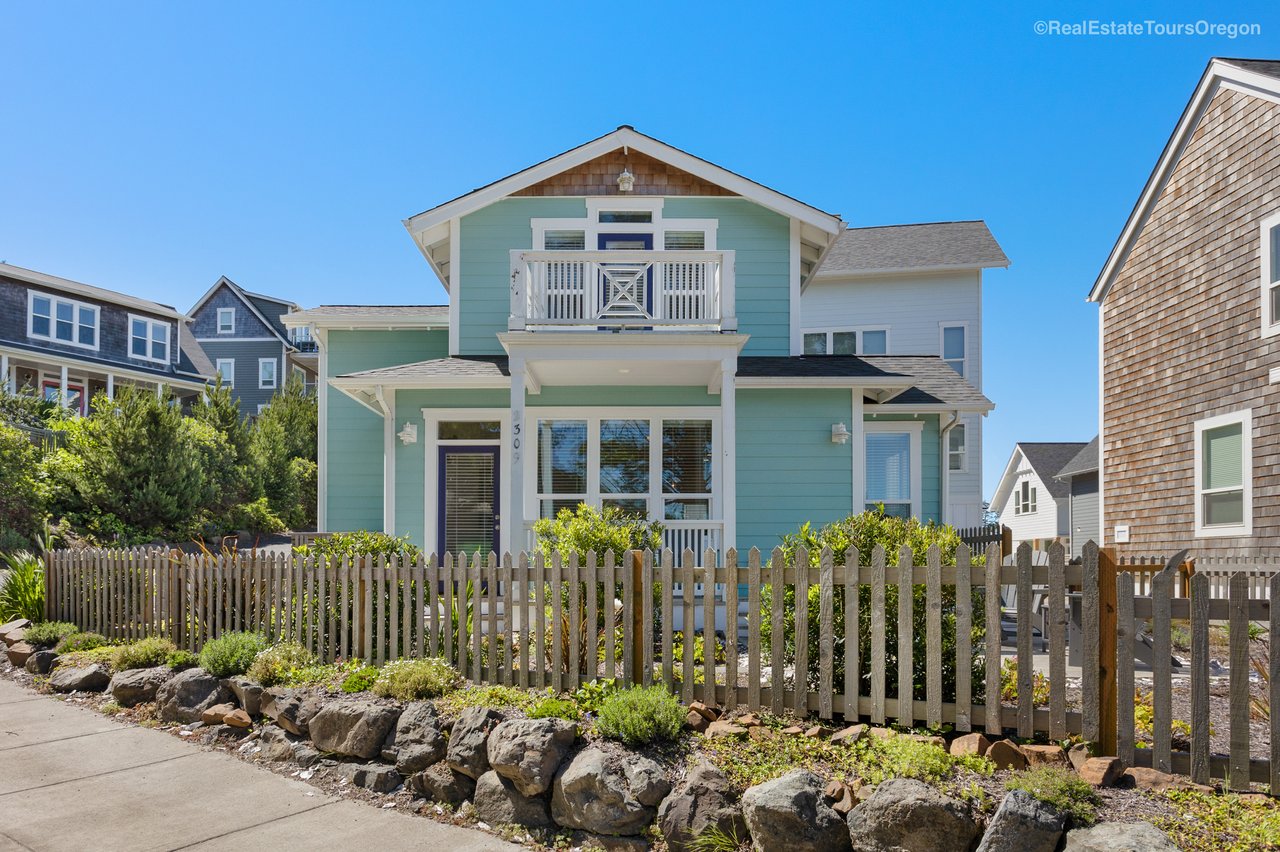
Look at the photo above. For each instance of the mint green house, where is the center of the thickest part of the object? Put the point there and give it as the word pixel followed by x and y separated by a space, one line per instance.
pixel 624 328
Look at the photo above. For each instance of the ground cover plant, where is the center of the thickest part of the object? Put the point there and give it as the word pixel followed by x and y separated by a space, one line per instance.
pixel 143 654
pixel 1066 791
pixel 413 680
pixel 281 663
pixel 80 642
pixel 640 716
pixel 1203 822
pixel 495 697
pixel 232 653
pixel 49 633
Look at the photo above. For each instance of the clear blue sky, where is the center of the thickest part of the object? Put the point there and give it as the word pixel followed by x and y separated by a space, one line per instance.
pixel 151 147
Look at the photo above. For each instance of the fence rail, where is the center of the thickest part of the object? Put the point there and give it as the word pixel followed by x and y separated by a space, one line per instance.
pixel 788 630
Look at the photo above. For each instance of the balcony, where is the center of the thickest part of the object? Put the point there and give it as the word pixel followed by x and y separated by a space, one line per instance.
pixel 685 290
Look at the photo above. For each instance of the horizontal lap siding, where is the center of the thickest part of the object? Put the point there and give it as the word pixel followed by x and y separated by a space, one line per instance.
pixel 354 433
pixel 1182 335
pixel 1084 511
pixel 246 354
pixel 789 471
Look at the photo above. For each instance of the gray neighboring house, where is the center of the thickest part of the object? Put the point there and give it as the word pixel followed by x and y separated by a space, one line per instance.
pixel 248 345
pixel 67 342
pixel 1080 475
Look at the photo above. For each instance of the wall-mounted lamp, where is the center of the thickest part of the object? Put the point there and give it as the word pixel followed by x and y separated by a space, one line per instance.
pixel 839 433
pixel 409 434
pixel 626 181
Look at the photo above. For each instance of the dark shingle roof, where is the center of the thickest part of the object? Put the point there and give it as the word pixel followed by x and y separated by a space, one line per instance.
pixel 271 310
pixel 487 366
pixel 934 383
pixel 1085 461
pixel 892 248
pixel 1270 67
pixel 1047 459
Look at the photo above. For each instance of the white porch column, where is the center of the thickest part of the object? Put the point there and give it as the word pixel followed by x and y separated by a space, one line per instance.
pixel 388 462
pixel 63 401
pixel 111 386
pixel 8 380
pixel 858 438
pixel 729 451
pixel 514 521
pixel 159 390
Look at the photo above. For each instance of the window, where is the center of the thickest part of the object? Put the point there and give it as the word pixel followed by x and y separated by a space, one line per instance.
pixel 62 320
pixel 625 216
pixel 564 240
pixel 893 473
pixel 957 457
pixel 1024 498
pixel 262 406
pixel 1224 475
pixel 148 339
pixel 226 370
pixel 953 347
pixel 266 373
pixel 624 465
pixel 686 469
pixel 226 320
pixel 1270 274
pixel 562 465
pixel 684 240
pixel 469 430
pixel 857 341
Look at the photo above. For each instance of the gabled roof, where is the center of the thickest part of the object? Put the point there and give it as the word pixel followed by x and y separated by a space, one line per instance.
pixel 1085 461
pixel 258 304
pixel 66 285
pixel 1258 77
pixel 929 246
pixel 371 316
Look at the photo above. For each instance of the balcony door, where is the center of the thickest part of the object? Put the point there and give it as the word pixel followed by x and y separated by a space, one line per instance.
pixel 626 289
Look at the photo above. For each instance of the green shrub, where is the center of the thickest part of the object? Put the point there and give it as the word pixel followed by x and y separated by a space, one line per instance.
pixel 143 654
pixel 80 642
pixel 256 517
pixel 411 680
pixel 591 695
pixel 182 659
pixel 496 697
pixel 21 505
pixel 352 545
pixel 277 664
pixel 550 706
pixel 50 633
pixel 360 680
pixel 231 654
pixel 1061 788
pixel 588 530
pixel 22 589
pixel 104 655
pixel 641 715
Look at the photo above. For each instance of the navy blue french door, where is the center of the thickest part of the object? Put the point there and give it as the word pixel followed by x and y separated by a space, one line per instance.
pixel 629 242
pixel 468 508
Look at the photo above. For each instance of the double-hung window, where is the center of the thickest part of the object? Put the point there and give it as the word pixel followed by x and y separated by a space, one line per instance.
pixel 854 341
pixel 954 347
pixel 148 339
pixel 226 320
pixel 893 474
pixel 267 373
pixel 1024 498
pixel 1224 475
pixel 62 320
pixel 1270 274
pixel 226 369
pixel 957 449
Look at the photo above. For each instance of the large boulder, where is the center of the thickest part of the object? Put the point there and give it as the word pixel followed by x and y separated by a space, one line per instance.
pixel 247 692
pixel 19 653
pixel 288 708
pixel 42 662
pixel 137 686
pixel 499 802
pixel 1119 837
pixel 706 800
pixel 377 777
pixel 606 794
pixel 790 813
pixel 13 631
pixel 468 742
pixel 185 696
pixel 442 783
pixel 1023 823
pixel 92 678
pixel 354 728
pixel 529 751
pixel 905 815
pixel 416 742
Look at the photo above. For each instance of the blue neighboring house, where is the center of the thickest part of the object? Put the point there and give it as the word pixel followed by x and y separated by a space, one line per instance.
pixel 248 344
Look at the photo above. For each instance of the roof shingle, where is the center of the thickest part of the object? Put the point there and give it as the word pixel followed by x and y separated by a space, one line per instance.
pixel 895 248
pixel 1049 458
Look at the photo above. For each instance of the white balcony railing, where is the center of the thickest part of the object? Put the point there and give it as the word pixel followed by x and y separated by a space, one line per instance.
pixel 641 289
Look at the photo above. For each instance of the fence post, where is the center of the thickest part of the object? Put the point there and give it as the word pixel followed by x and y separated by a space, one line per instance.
pixel 1006 541
pixel 47 558
pixel 1107 689
pixel 637 619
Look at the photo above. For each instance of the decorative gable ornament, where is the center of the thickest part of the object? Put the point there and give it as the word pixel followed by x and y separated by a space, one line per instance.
pixel 626 181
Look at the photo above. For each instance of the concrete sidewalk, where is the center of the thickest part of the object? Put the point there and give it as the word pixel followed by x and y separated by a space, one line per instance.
pixel 71 779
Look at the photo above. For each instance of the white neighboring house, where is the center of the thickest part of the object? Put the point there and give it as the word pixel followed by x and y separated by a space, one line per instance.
pixel 1030 500
pixel 912 290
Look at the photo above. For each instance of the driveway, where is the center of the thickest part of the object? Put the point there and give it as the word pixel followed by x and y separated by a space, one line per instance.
pixel 71 779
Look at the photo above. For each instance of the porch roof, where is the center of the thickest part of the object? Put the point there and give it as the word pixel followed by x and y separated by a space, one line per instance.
pixel 929 382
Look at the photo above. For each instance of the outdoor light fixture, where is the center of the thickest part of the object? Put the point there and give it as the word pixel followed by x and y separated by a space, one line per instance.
pixel 626 181
pixel 839 433
pixel 409 434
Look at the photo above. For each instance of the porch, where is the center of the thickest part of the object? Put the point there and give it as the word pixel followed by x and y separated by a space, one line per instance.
pixel 71 383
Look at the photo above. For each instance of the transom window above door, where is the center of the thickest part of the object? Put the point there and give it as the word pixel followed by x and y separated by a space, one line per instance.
pixel 854 341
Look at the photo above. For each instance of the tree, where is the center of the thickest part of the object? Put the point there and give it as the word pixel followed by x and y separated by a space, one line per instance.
pixel 21 506
pixel 283 451
pixel 236 479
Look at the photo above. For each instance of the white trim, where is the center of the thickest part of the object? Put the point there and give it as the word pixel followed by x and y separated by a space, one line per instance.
pixel 230 328
pixel 228 378
pixel 151 322
pixel 903 271
pixel 431 418
pixel 793 279
pixel 455 286
pixel 236 340
pixel 913 428
pixel 964 451
pixel 243 296
pixel 275 373
pixel 322 438
pixel 1265 261
pixel 388 461
pixel 1245 419
pixel 318 319
pixel 942 338
pixel 728 484
pixel 52 359
pixel 1102 444
pixel 76 306
pixel 858 438
pixel 592 227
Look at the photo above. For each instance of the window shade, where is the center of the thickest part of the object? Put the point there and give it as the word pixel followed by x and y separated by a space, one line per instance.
pixel 562 457
pixel 686 456
pixel 889 466
pixel 624 457
pixel 1223 457
pixel 564 240
pixel 685 240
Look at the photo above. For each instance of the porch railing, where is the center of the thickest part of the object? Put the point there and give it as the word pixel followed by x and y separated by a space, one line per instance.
pixel 677 536
pixel 643 289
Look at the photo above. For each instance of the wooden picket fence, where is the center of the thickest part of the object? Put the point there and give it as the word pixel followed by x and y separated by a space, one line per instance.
pixel 533 622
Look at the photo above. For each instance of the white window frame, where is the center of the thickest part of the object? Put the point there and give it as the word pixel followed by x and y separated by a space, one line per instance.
pixel 262 406
pixel 231 325
pixel 275 373
pixel 915 429
pixel 228 376
pixel 942 336
pixel 151 325
pixel 1269 329
pixel 592 227
pixel 963 452
pixel 1245 419
pixel 1027 505
pixel 831 331
pixel 76 307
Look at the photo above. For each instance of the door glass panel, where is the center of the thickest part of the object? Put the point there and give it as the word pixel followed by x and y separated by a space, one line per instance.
pixel 686 456
pixel 469 502
pixel 845 343
pixel 815 344
pixel 640 243
pixel 467 430
pixel 624 456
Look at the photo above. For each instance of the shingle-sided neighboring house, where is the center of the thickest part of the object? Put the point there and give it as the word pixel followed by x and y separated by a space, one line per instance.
pixel 626 327
pixel 67 341
pixel 1030 499
pixel 245 338
pixel 1081 478
pixel 1189 322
